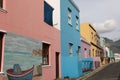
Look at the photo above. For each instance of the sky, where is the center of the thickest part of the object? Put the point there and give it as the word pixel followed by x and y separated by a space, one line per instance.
pixel 104 15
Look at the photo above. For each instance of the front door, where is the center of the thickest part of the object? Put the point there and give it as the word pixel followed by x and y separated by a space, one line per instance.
pixel 1 37
pixel 57 64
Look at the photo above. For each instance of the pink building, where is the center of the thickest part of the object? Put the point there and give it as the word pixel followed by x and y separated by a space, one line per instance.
pixel 85 48
pixel 87 60
pixel 26 18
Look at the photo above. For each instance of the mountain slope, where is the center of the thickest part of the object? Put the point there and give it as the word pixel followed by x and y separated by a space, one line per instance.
pixel 114 45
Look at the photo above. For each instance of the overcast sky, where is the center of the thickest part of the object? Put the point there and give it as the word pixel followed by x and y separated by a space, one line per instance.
pixel 103 14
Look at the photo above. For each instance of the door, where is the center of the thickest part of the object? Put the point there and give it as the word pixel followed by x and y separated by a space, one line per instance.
pixel 57 64
pixel 1 37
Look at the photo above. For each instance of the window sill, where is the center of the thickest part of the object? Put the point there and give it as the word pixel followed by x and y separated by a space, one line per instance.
pixel 45 66
pixel 77 29
pixel 3 10
pixel 1 73
pixel 70 24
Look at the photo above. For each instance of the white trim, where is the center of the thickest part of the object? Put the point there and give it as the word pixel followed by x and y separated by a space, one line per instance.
pixel 44 66
pixel 73 3
pixel 3 31
pixel 1 73
pixel 46 42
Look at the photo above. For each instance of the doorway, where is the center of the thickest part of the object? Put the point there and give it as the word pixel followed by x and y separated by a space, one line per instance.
pixel 57 64
pixel 1 38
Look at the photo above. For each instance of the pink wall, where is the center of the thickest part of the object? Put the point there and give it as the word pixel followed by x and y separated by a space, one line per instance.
pixel 96 59
pixel 0 77
pixel 25 17
pixel 84 45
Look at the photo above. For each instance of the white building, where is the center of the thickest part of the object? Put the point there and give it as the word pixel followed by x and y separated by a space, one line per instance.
pixel 117 57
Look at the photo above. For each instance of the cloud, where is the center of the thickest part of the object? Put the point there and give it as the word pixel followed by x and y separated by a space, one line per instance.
pixel 106 27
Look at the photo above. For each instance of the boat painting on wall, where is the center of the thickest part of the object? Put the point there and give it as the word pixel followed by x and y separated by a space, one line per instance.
pixel 23 51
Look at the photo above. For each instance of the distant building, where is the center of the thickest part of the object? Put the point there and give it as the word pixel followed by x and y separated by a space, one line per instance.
pixel 87 60
pixel 112 59
pixel 107 54
pixel 90 34
pixel 103 50
pixel 117 57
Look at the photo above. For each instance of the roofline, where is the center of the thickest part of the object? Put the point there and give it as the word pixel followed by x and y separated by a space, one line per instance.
pixel 92 27
pixel 49 4
pixel 73 3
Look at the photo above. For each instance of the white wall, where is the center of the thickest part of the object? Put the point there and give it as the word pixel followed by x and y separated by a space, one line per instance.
pixel 108 51
pixel 56 13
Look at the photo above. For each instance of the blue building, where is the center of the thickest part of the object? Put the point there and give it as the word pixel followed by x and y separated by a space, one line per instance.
pixel 70 39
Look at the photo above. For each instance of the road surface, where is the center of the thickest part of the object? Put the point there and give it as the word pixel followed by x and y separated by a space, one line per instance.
pixel 111 72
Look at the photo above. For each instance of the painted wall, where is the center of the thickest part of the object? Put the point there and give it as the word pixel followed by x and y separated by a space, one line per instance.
pixel 87 65
pixel 28 21
pixel 107 51
pixel 117 57
pixel 96 62
pixel 87 61
pixel 85 45
pixel 69 34
pixel 85 31
pixel 102 44
pixel 23 51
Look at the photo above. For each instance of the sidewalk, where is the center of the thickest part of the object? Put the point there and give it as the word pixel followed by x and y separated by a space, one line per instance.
pixel 0 77
pixel 93 72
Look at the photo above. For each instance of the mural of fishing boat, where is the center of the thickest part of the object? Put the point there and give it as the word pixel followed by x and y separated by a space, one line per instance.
pixel 17 74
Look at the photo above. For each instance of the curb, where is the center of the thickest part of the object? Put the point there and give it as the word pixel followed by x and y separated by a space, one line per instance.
pixel 93 72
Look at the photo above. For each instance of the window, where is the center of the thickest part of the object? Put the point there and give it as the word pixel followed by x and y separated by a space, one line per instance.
pixel 96 53
pixel 92 35
pixel 70 48
pixel 48 11
pixel 93 52
pixel 1 3
pixel 1 49
pixel 89 53
pixel 45 54
pixel 69 16
pixel 85 52
pixel 77 26
pixel 79 52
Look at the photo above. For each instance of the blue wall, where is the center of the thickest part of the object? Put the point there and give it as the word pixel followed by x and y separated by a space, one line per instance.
pixel 69 34
pixel 87 65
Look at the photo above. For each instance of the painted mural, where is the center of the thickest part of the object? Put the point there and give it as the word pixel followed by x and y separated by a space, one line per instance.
pixel 22 51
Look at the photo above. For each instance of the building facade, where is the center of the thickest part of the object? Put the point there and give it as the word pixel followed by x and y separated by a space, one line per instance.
pixel 107 54
pixel 66 19
pixel 70 39
pixel 117 57
pixel 103 51
pixel 90 34
pixel 28 38
pixel 87 61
